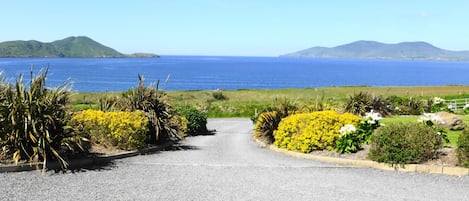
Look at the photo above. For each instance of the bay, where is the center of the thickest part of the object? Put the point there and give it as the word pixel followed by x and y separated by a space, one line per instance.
pixel 231 73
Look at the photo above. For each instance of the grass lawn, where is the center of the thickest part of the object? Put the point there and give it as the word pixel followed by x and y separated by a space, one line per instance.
pixel 452 135
pixel 244 103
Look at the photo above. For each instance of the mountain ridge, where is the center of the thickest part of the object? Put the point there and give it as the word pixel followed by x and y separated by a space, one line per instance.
pixel 70 47
pixel 363 49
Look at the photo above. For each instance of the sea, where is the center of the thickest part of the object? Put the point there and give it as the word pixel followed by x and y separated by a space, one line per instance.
pixel 234 73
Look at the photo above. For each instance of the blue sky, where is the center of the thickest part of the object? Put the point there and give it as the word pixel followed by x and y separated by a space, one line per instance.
pixel 237 28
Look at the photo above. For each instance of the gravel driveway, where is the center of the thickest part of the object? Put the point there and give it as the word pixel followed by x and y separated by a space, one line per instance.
pixel 229 166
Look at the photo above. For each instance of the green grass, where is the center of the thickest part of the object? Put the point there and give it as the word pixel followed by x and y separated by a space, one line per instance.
pixel 244 103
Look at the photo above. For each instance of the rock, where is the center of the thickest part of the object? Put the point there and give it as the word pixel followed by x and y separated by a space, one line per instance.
pixel 450 121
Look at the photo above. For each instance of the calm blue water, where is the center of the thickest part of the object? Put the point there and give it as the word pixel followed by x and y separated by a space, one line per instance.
pixel 208 73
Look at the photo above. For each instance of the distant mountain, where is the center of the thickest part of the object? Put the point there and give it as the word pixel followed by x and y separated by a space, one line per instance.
pixel 377 50
pixel 77 47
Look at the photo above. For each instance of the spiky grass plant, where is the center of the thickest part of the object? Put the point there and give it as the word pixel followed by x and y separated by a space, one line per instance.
pixel 359 103
pixel 267 122
pixel 155 104
pixel 33 120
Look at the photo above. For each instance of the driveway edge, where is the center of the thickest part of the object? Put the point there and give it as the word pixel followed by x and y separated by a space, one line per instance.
pixel 83 162
pixel 418 168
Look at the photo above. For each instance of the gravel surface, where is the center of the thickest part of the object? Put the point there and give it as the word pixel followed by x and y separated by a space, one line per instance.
pixel 229 166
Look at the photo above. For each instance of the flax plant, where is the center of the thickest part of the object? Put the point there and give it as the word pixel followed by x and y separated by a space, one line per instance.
pixel 33 120
pixel 154 103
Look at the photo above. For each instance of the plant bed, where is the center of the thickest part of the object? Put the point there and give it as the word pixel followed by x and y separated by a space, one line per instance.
pixel 447 156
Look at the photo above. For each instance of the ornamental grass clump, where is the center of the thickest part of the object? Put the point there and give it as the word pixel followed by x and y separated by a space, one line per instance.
pixel 312 131
pixel 33 121
pixel 122 130
pixel 154 103
pixel 405 143
pixel 267 122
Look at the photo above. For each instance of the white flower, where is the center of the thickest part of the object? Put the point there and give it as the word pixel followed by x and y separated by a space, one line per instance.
pixel 373 117
pixel 466 106
pixel 425 117
pixel 437 100
pixel 431 117
pixel 347 128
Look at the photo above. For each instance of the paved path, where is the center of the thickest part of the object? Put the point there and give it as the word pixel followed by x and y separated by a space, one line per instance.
pixel 229 166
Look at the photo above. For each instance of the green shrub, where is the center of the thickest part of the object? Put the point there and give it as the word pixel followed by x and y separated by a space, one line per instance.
pixel 33 121
pixel 399 144
pixel 123 130
pixel 407 106
pixel 218 95
pixel 312 131
pixel 196 120
pixel 462 150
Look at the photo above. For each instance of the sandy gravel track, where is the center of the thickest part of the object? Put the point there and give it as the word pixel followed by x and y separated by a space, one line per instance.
pixel 229 166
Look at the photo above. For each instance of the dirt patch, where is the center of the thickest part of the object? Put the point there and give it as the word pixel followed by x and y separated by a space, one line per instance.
pixel 106 151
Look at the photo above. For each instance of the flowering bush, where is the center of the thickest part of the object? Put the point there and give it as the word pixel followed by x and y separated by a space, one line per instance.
pixel 432 120
pixel 124 130
pixel 312 131
pixel 351 138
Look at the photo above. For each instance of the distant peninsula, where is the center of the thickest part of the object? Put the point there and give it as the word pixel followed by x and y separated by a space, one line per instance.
pixel 376 50
pixel 71 47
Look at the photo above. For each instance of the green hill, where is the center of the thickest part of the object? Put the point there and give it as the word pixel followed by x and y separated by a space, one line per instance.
pixel 77 47
pixel 376 50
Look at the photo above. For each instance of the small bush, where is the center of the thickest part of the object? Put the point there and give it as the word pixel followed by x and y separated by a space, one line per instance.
pixel 359 103
pixel 123 130
pixel 407 106
pixel 218 95
pixel 462 150
pixel 399 144
pixel 312 131
pixel 266 124
pixel 196 120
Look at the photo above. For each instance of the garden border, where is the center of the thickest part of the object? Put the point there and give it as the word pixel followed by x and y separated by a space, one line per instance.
pixel 418 168
pixel 83 162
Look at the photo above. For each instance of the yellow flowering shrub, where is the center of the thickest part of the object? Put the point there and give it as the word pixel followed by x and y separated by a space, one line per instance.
pixel 312 131
pixel 123 130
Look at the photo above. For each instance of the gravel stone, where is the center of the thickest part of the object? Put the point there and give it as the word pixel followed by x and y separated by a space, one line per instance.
pixel 228 166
